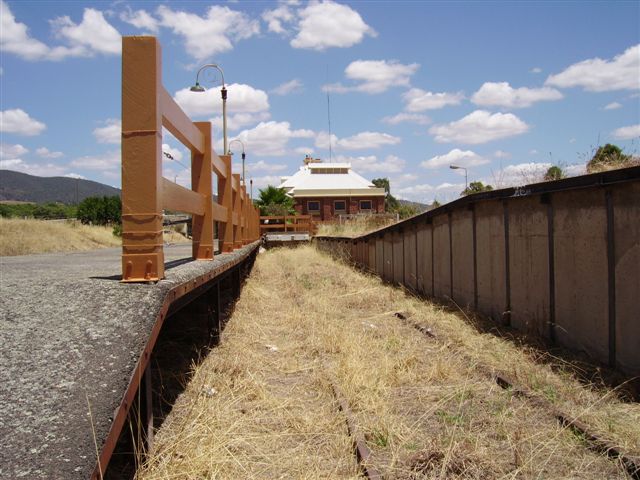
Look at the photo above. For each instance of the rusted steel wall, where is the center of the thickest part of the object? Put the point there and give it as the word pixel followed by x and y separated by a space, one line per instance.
pixel 558 260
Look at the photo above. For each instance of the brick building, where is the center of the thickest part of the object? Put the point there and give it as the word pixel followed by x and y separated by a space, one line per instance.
pixel 326 190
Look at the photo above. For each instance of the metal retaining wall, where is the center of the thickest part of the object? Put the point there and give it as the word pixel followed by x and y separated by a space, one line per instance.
pixel 558 259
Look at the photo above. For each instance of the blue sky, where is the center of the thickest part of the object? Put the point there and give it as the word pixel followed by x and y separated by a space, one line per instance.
pixel 504 89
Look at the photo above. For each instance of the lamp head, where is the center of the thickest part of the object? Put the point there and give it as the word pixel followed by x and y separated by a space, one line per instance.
pixel 454 167
pixel 197 88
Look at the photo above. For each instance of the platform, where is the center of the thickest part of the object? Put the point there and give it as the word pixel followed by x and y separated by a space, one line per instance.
pixel 71 335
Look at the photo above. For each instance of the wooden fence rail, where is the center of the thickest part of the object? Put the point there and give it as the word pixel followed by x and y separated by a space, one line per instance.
pixel 146 108
pixel 287 223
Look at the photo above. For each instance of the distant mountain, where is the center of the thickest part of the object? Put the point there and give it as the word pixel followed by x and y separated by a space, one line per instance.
pixel 420 207
pixel 29 188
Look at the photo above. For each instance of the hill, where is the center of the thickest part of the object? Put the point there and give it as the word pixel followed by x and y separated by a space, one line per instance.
pixel 420 207
pixel 17 186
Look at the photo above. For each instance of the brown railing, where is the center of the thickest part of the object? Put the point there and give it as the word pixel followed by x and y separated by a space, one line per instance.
pixel 146 108
pixel 293 223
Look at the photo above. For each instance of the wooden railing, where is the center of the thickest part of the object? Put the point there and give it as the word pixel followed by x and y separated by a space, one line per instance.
pixel 146 108
pixel 293 223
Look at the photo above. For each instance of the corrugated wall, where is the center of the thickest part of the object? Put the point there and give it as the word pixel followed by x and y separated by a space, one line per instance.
pixel 560 260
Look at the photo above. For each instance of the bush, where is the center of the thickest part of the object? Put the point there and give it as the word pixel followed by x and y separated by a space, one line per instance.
pixel 608 157
pixel 100 210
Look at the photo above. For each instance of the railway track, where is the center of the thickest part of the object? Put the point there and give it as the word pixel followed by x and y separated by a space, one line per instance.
pixel 594 441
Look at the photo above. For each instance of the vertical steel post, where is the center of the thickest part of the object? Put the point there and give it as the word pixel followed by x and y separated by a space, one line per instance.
pixel 225 198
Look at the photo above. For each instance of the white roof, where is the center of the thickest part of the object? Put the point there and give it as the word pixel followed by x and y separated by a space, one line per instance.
pixel 305 182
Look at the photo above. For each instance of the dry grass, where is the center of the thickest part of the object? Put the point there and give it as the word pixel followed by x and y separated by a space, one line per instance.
pixel 354 227
pixel 25 237
pixel 260 405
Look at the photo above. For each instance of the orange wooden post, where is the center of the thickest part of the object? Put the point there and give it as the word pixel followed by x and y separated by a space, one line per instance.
pixel 201 182
pixel 142 254
pixel 225 198
pixel 237 210
pixel 245 216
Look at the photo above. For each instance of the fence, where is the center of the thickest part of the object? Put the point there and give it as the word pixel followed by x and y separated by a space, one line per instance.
pixel 288 223
pixel 559 260
pixel 146 108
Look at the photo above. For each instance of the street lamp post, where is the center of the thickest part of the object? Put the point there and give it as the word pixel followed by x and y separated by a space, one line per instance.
pixel 251 183
pixel 456 167
pixel 198 88
pixel 243 156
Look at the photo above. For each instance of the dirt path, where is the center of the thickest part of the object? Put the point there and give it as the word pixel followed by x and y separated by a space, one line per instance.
pixel 261 404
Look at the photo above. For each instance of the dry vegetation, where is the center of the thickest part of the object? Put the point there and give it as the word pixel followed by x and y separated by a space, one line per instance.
pixel 25 237
pixel 260 405
pixel 354 227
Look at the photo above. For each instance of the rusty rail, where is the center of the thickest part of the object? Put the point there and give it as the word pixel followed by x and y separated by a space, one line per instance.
pixel 146 108
pixel 287 223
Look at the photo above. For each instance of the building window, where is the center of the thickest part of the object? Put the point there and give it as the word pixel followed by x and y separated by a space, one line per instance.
pixel 313 207
pixel 339 206
pixel 365 205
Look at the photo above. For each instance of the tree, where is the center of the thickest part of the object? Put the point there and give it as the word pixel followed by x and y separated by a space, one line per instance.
pixel 391 203
pixel 553 173
pixel 274 201
pixel 607 157
pixel 476 187
pixel 100 210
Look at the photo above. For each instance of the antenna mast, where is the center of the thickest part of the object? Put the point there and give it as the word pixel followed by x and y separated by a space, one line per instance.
pixel 329 118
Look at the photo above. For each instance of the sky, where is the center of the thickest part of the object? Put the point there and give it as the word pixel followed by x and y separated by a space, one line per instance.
pixel 504 89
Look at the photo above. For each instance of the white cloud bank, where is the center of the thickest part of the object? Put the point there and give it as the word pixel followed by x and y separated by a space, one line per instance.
pixel 94 34
pixel 479 127
pixel 418 100
pixel 19 122
pixel 375 76
pixel 501 94
pixel 461 158
pixel 627 133
pixel 110 133
pixel 598 75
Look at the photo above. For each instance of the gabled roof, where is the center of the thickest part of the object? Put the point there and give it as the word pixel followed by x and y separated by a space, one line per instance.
pixel 332 179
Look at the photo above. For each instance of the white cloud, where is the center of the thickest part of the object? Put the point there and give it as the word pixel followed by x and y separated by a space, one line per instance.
pixel 209 35
pixel 93 34
pixel 292 86
pixel 239 120
pixel 501 154
pixel 110 133
pixel 520 174
pixel 46 153
pixel 40 170
pixel 612 106
pixel 11 151
pixel 14 37
pixel 19 122
pixel 106 161
pixel 370 163
pixel 270 138
pixel 536 70
pixel 627 133
pixel 427 193
pixel 598 75
pixel 276 17
pixel 375 76
pixel 240 99
pixel 479 127
pixel 262 182
pixel 533 151
pixel 262 166
pixel 140 19
pixel 328 24
pixel 461 158
pixel 501 94
pixel 407 117
pixel 418 100
pixel 367 140
pixel 304 150
pixel 75 175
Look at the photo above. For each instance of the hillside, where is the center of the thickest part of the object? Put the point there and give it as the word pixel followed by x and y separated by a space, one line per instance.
pixel 17 186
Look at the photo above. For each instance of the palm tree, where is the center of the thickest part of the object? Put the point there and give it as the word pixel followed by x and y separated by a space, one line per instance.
pixel 274 201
